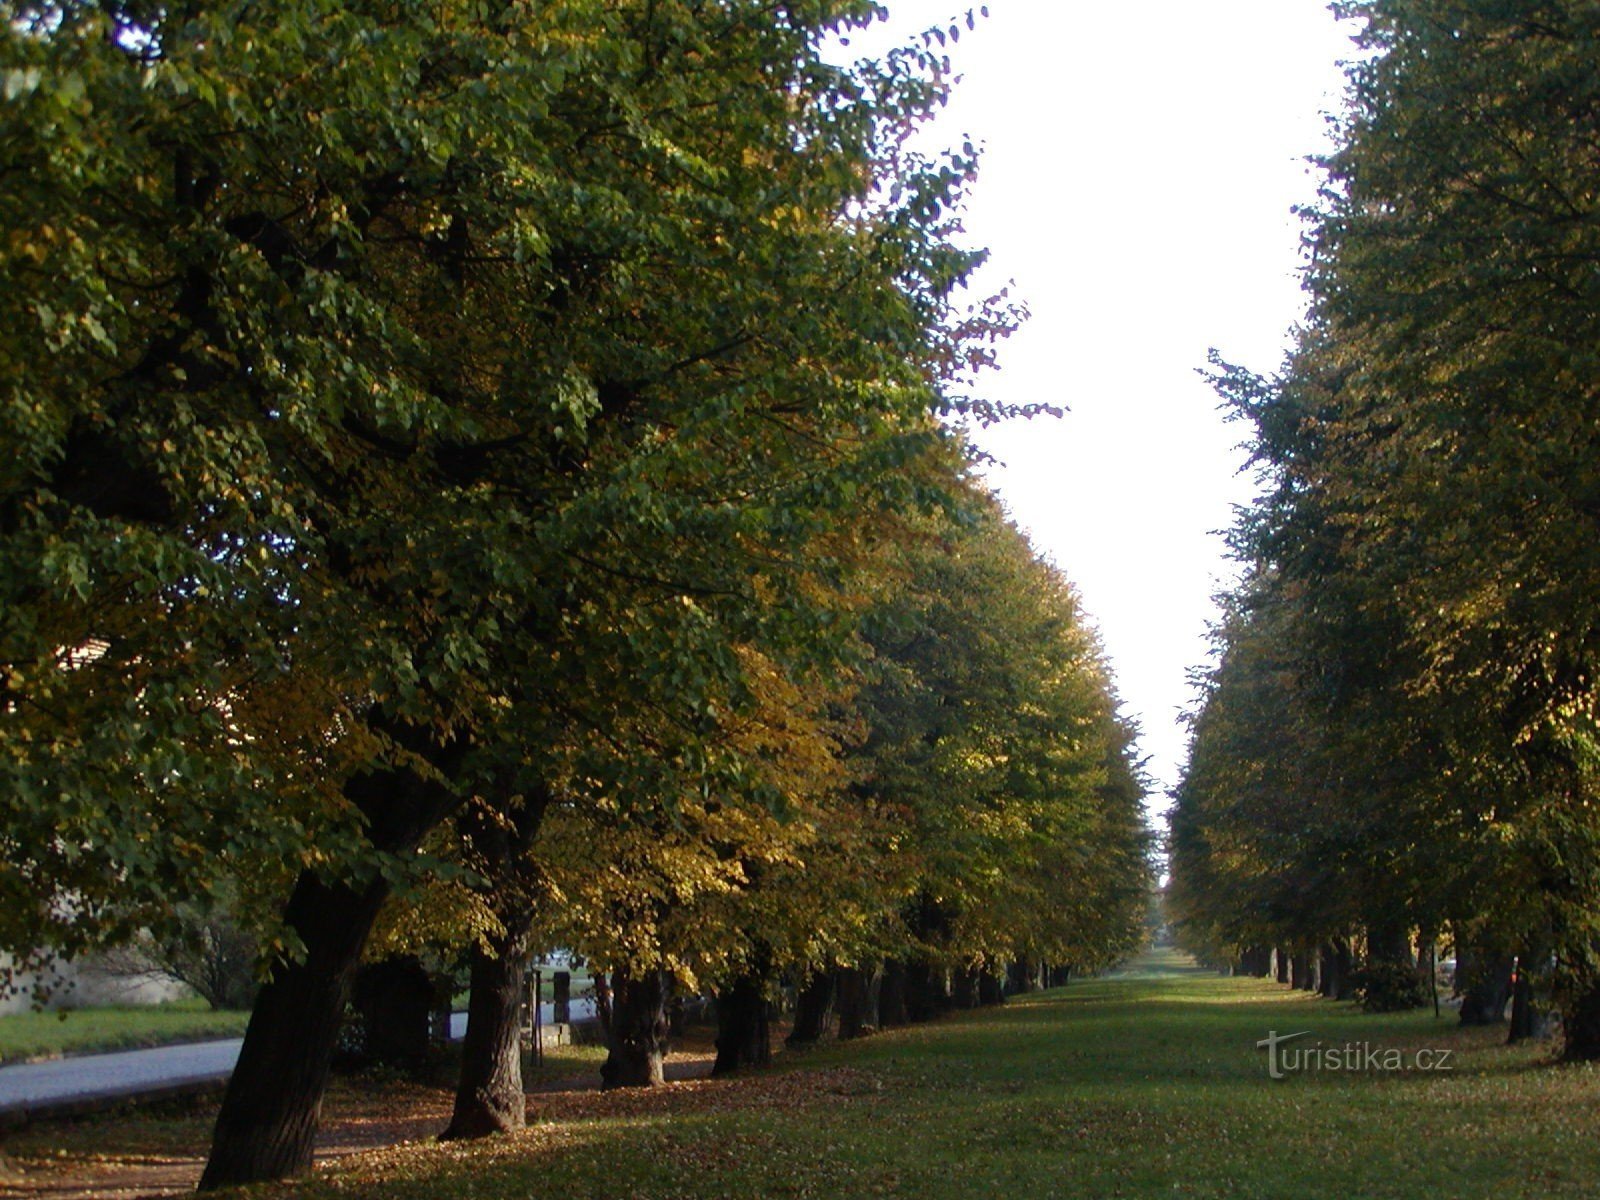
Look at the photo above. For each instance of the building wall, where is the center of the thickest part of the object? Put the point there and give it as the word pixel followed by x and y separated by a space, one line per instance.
pixel 84 984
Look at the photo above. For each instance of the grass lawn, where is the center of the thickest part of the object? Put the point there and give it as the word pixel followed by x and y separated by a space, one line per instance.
pixel 1145 1084
pixel 37 1034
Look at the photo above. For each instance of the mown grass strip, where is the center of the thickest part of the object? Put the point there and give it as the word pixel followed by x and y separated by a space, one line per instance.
pixel 1146 1084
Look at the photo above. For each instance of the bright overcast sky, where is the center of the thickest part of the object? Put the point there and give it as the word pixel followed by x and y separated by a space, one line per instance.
pixel 1141 163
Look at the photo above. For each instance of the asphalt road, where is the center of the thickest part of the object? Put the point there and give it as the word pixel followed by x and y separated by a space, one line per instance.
pixel 90 1079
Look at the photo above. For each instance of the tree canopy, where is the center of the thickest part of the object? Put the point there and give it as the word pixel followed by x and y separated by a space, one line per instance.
pixel 436 430
pixel 1422 604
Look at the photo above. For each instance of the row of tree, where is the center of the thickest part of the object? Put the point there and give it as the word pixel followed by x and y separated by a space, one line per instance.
pixel 1401 736
pixel 483 472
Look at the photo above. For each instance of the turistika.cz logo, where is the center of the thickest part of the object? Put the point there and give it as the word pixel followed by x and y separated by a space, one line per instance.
pixel 1353 1057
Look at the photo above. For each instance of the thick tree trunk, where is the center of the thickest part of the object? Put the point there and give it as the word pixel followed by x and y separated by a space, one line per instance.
pixel 1484 981
pixel 489 1096
pixel 991 988
pixel 268 1121
pixel 1524 1017
pixel 926 996
pixel 1258 961
pixel 744 1034
pixel 1057 977
pixel 812 1010
pixel 637 1037
pixel 1280 964
pixel 964 987
pixel 892 995
pixel 854 991
pixel 1300 971
pixel 602 1003
pixel 1580 1026
pixel 1334 979
pixel 1022 976
pixel 267 1124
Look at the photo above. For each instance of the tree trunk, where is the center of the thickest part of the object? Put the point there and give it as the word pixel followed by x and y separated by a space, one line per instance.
pixel 1022 976
pixel 926 996
pixel 602 1003
pixel 1524 1018
pixel 892 995
pixel 744 1034
pixel 854 990
pixel 489 1095
pixel 1580 1027
pixel 637 1037
pixel 1335 981
pixel 1057 977
pixel 1300 971
pixel 990 988
pixel 1258 961
pixel 812 1010
pixel 266 1127
pixel 1484 981
pixel 1280 961
pixel 964 987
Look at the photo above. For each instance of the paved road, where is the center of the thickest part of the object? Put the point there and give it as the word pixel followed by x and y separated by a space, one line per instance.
pixel 91 1078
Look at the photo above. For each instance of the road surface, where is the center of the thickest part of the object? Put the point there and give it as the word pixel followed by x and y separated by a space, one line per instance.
pixel 92 1079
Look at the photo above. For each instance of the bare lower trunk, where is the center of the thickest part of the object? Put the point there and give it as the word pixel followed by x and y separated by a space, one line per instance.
pixel 637 1037
pixel 926 994
pixel 267 1124
pixel 1524 1018
pixel 489 1096
pixel 744 1033
pixel 1580 1026
pixel 1022 976
pixel 1300 971
pixel 1280 964
pixel 892 995
pixel 990 988
pixel 964 987
pixel 1333 975
pixel 854 993
pixel 813 1010
pixel 1484 981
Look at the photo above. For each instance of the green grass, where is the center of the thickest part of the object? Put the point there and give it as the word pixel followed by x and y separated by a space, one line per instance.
pixel 85 1030
pixel 1143 1084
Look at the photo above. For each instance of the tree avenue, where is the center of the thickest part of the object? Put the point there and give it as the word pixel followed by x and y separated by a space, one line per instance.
pixel 482 448
pixel 1401 738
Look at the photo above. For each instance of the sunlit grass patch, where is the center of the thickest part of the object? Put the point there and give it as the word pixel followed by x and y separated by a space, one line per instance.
pixel 27 1035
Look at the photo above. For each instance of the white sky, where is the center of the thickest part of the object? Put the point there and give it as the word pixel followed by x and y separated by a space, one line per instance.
pixel 1141 163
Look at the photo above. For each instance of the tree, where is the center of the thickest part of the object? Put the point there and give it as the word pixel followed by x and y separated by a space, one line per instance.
pixel 1432 466
pixel 377 375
